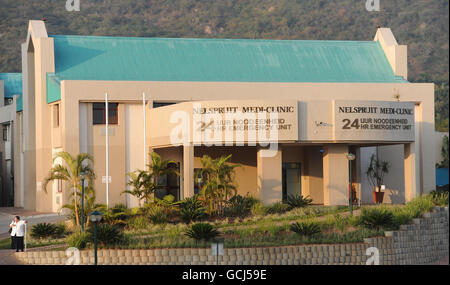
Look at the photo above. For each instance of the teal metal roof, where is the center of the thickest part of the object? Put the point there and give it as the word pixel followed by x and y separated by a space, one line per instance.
pixel 13 86
pixel 53 88
pixel 223 60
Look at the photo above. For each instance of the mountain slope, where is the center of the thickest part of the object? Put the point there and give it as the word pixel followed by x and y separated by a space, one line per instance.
pixel 421 24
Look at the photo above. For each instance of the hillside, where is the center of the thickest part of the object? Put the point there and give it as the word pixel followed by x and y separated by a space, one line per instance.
pixel 421 24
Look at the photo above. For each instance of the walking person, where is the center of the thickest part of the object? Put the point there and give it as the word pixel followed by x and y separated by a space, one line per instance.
pixel 17 233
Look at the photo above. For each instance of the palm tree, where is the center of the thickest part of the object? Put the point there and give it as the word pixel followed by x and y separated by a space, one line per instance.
pixel 145 183
pixel 136 181
pixel 76 168
pixel 159 167
pixel 219 184
pixel 89 204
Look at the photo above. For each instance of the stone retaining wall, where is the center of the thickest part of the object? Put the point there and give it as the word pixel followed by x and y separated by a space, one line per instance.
pixel 424 241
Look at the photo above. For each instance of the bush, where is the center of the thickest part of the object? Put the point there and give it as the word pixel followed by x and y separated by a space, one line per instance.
pixel 202 231
pixel 420 205
pixel 277 208
pixel 376 218
pixel 156 214
pixel 137 223
pixel 60 230
pixel 298 201
pixel 107 234
pixel 440 198
pixel 307 229
pixel 240 206
pixel 43 230
pixel 191 209
pixel 78 240
pixel 258 209
pixel 117 215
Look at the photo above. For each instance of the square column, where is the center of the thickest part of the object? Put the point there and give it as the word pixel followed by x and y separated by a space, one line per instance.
pixel 335 175
pixel 188 171
pixel 269 175
pixel 412 172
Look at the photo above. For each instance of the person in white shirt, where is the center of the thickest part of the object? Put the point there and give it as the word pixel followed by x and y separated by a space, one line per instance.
pixel 17 233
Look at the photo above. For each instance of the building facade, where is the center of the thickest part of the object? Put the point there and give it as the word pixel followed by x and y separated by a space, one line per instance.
pixel 10 113
pixel 289 112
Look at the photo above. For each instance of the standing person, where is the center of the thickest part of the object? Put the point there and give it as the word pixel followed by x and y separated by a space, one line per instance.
pixel 17 233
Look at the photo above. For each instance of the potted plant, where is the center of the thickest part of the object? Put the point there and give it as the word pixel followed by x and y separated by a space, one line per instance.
pixel 375 173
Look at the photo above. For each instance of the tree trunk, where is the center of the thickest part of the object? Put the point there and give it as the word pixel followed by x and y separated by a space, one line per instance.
pixel 77 218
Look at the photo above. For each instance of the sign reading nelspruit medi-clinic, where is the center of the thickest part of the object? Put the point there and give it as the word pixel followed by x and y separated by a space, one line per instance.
pixel 373 121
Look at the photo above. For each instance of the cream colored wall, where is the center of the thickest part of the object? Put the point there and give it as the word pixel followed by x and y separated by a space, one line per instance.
pixel 117 150
pixel 43 63
pixel 134 143
pixel 314 173
pixel 396 54
pixel 310 94
pixel 29 133
pixel 335 175
pixel 269 176
pixel 246 180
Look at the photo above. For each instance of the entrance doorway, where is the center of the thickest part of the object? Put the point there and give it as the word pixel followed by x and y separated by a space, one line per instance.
pixel 291 179
pixel 171 183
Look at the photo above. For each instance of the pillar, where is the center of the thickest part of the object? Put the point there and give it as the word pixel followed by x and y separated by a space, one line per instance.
pixel 188 171
pixel 412 173
pixel 269 175
pixel 335 175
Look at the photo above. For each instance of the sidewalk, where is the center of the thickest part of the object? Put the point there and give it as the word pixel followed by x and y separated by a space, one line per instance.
pixel 7 258
pixel 7 215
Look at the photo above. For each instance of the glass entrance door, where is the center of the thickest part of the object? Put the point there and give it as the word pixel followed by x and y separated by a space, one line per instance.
pixel 171 183
pixel 291 179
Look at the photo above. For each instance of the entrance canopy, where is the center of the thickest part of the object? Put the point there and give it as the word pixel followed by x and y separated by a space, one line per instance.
pixel 252 122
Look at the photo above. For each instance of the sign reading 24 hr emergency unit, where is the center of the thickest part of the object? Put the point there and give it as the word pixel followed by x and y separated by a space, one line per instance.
pixel 373 120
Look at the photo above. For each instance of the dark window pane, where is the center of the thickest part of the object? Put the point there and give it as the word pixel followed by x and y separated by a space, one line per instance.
pixel 162 104
pixel 99 113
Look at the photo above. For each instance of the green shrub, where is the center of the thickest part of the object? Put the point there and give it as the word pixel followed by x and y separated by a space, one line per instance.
pixel 117 215
pixel 157 214
pixel 340 222
pixel 138 223
pixel 202 231
pixel 277 208
pixel 240 206
pixel 298 201
pixel 191 209
pixel 420 205
pixel 258 209
pixel 43 230
pixel 107 234
pixel 376 218
pixel 440 198
pixel 307 229
pixel 78 240
pixel 401 217
pixel 60 230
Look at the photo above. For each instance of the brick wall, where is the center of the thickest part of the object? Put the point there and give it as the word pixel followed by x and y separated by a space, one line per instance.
pixel 424 241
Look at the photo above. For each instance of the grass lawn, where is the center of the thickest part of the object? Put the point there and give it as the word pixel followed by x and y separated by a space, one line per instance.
pixel 32 243
pixel 5 243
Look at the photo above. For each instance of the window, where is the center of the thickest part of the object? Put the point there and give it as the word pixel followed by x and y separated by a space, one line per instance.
pixel 99 113
pixel 56 115
pixel 59 186
pixel 5 133
pixel 162 104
